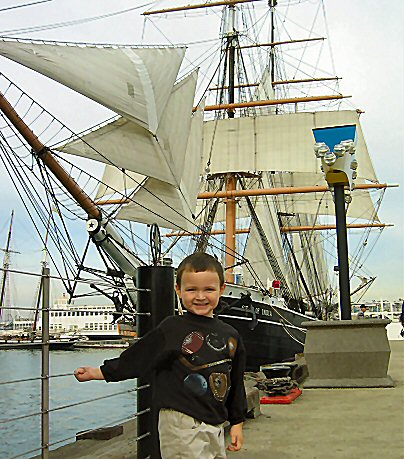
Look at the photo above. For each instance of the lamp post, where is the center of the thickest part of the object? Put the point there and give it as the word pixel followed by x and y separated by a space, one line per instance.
pixel 336 148
pixel 344 353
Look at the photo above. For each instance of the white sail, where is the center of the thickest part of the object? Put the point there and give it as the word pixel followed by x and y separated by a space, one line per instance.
pixel 169 206
pixel 255 252
pixel 126 145
pixel 158 202
pixel 310 257
pixel 307 248
pixel 128 80
pixel 320 203
pixel 114 180
pixel 265 91
pixel 276 143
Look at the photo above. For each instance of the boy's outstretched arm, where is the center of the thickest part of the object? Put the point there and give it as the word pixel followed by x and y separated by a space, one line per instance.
pixel 237 439
pixel 83 374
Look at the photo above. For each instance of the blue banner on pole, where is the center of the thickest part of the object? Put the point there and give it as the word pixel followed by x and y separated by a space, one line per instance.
pixel 332 136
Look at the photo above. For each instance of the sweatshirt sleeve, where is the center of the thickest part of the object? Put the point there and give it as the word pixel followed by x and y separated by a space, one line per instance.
pixel 140 358
pixel 236 402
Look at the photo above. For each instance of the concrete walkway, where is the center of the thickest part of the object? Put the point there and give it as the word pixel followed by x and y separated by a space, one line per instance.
pixel 333 423
pixel 320 424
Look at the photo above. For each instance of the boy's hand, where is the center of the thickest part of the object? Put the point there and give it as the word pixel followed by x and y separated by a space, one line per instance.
pixel 83 374
pixel 237 439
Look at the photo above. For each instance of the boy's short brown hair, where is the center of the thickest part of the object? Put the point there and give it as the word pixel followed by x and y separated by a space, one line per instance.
pixel 198 262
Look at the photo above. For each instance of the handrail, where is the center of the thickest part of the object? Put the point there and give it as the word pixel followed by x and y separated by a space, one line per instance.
pixel 127 418
pixel 33 379
pixel 4 421
pixel 145 429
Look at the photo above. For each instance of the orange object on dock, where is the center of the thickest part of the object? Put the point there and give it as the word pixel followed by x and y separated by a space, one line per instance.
pixel 281 399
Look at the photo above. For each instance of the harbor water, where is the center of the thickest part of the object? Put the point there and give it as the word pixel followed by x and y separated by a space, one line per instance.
pixel 24 398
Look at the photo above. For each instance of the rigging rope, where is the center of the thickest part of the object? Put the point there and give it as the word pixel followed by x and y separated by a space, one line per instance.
pixel 58 25
pixel 23 5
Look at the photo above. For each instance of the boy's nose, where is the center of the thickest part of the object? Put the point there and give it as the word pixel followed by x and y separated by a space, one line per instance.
pixel 200 295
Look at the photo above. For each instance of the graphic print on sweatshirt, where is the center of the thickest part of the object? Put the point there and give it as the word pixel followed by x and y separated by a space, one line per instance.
pixel 209 358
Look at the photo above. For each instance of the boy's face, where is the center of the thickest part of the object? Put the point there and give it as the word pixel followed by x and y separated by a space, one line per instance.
pixel 200 292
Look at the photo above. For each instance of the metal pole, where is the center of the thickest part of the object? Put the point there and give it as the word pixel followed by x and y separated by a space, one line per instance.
pixel 272 6
pixel 45 363
pixel 231 47
pixel 158 300
pixel 342 246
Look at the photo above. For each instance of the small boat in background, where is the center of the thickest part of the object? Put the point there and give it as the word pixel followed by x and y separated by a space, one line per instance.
pixel 13 339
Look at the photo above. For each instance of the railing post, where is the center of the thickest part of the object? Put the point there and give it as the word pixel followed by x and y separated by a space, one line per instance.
pixel 45 364
pixel 155 297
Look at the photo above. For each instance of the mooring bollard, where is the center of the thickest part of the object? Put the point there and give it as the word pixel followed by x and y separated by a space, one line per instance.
pixel 156 300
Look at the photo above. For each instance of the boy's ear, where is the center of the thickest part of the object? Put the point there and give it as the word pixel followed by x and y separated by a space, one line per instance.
pixel 178 290
pixel 222 288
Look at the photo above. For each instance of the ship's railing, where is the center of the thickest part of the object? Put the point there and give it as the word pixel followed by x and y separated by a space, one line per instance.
pixel 147 430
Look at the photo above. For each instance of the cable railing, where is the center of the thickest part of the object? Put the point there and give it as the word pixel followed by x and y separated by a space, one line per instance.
pixel 146 439
pixel 50 410
pixel 74 437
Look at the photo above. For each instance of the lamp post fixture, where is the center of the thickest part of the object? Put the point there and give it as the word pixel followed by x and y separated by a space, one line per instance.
pixel 335 147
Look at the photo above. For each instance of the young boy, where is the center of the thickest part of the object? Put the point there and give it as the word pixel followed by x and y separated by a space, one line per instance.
pixel 199 363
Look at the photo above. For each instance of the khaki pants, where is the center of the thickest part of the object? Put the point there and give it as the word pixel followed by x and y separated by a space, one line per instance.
pixel 183 437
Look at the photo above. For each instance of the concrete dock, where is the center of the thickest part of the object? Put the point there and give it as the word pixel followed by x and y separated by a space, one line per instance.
pixel 320 424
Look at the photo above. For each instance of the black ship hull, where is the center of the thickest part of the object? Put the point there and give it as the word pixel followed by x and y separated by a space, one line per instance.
pixel 271 333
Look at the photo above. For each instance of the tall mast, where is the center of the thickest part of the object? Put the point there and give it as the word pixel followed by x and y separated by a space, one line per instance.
pixel 44 264
pixel 6 262
pixel 230 203
pixel 272 5
pixel 231 49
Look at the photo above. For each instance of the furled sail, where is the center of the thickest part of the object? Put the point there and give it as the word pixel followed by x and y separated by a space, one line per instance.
pixel 126 79
pixel 276 143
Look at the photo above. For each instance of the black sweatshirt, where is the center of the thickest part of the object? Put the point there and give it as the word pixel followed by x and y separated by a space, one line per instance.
pixel 198 362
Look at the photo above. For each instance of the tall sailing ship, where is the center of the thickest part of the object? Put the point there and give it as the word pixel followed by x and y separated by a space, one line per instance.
pixel 214 145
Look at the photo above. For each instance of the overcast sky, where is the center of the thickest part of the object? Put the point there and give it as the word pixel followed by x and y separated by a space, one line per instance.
pixel 367 39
